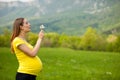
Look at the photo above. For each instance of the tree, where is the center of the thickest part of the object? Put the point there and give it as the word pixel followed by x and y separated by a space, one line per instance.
pixel 113 43
pixel 5 38
pixel 91 40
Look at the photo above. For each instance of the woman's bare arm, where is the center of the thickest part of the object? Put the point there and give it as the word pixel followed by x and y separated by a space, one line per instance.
pixel 33 52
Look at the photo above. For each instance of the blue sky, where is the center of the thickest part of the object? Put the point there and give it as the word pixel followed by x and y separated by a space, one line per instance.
pixel 16 0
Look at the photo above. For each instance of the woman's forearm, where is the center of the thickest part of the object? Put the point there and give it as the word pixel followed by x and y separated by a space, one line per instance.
pixel 36 47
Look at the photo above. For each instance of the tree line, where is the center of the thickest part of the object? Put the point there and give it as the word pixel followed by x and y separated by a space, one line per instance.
pixel 90 40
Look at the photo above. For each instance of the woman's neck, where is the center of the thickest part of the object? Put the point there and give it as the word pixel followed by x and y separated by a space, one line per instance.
pixel 22 35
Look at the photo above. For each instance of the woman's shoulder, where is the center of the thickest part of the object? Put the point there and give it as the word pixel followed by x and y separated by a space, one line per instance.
pixel 17 39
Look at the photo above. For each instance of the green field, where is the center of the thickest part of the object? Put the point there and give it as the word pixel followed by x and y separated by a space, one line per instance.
pixel 66 64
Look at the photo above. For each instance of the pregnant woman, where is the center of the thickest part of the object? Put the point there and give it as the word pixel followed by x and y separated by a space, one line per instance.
pixel 29 63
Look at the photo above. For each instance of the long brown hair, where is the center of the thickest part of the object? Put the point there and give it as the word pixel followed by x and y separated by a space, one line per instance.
pixel 16 29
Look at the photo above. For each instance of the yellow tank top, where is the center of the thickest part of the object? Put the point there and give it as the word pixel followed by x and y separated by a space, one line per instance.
pixel 27 64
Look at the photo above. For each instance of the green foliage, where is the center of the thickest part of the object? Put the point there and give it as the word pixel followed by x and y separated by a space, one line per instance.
pixel 114 46
pixel 5 38
pixel 51 40
pixel 56 40
pixel 74 42
pixel 117 45
pixel 32 38
pixel 64 40
pixel 91 40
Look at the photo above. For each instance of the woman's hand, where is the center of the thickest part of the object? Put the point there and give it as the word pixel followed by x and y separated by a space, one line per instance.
pixel 41 34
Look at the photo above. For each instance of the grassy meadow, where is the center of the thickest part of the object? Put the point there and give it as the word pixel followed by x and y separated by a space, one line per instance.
pixel 66 64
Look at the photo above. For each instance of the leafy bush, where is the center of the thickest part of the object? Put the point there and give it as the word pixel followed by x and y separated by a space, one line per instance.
pixel 91 40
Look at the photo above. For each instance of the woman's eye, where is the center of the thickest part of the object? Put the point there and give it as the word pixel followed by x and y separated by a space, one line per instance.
pixel 26 22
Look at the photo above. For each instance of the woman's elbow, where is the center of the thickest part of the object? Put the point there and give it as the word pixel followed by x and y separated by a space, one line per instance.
pixel 31 54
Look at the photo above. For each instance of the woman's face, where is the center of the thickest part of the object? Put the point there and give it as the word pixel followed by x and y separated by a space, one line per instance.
pixel 26 26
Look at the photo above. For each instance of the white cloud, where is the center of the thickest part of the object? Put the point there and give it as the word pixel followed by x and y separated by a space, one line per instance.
pixel 76 2
pixel 16 0
pixel 48 1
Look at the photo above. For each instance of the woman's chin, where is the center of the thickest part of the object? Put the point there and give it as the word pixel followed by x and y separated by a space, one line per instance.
pixel 29 30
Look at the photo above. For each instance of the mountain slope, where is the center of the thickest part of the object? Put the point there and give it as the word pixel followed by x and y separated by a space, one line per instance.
pixel 70 16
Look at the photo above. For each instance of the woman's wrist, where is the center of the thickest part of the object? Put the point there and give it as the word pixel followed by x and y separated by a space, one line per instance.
pixel 40 39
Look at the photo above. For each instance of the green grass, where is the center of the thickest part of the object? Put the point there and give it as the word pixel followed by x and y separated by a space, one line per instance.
pixel 66 64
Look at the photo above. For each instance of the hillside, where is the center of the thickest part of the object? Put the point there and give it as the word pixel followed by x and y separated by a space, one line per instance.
pixel 70 16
